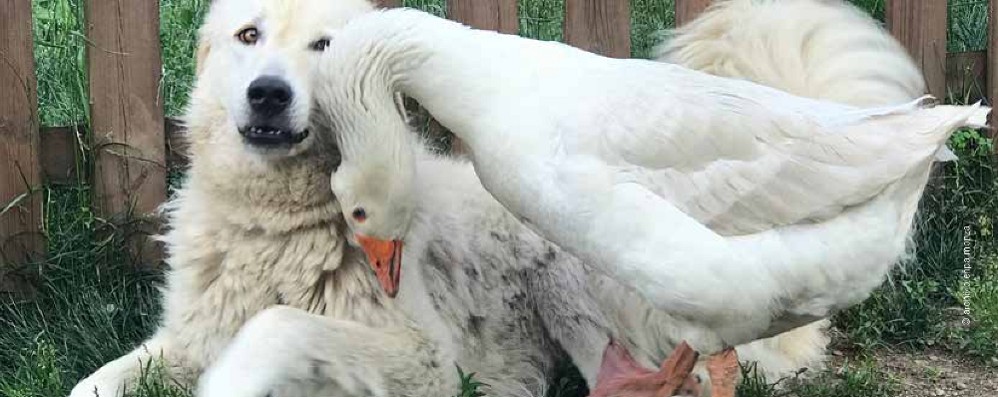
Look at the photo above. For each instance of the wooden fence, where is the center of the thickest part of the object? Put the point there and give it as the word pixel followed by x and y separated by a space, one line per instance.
pixel 133 146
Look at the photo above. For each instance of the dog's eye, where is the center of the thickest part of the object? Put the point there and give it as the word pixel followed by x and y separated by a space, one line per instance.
pixel 320 44
pixel 359 214
pixel 248 36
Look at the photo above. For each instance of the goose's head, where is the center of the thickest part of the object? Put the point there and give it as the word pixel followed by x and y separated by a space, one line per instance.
pixel 375 194
pixel 357 102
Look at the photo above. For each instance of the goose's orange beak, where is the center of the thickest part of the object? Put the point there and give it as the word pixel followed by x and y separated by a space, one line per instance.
pixel 385 257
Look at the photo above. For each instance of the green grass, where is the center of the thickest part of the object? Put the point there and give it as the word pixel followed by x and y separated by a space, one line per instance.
pixel 978 336
pixel 60 62
pixel 469 386
pixel 178 20
pixel 850 379
pixel 90 307
pixel 968 25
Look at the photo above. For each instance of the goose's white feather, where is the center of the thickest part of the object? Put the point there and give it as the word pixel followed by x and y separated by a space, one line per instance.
pixel 743 208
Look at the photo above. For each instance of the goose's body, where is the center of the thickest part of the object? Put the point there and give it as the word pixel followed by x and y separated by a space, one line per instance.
pixel 747 210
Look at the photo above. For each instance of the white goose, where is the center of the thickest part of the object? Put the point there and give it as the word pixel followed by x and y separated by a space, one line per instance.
pixel 742 208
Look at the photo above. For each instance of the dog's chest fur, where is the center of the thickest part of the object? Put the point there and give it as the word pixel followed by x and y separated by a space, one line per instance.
pixel 244 251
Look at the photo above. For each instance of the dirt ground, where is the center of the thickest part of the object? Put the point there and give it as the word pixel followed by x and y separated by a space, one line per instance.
pixel 938 374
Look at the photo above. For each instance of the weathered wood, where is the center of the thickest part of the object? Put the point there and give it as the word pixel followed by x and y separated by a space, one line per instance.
pixel 687 10
pixel 600 26
pixel 60 150
pixel 126 114
pixel 177 150
pixel 388 3
pixel 966 75
pixel 498 15
pixel 920 25
pixel 992 73
pixel 21 240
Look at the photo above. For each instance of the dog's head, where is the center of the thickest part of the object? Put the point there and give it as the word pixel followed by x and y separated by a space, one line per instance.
pixel 256 63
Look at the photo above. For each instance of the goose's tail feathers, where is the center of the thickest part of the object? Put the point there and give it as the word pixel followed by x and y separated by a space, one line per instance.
pixel 822 49
pixel 979 118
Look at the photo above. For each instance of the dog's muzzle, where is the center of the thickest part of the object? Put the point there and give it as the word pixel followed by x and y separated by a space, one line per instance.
pixel 269 99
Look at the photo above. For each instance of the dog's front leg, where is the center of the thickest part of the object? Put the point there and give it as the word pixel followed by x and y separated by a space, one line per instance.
pixel 112 379
pixel 284 352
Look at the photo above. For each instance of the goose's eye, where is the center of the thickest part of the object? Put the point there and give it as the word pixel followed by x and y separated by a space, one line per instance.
pixel 248 36
pixel 320 44
pixel 359 214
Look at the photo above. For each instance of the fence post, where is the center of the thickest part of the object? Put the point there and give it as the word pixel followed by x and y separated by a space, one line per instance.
pixel 920 25
pixel 687 10
pixel 126 114
pixel 992 66
pixel 600 26
pixel 498 15
pixel 20 173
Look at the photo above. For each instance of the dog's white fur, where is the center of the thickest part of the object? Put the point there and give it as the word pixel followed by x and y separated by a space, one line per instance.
pixel 265 293
pixel 822 49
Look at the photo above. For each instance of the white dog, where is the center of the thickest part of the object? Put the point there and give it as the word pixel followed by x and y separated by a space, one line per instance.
pixel 265 294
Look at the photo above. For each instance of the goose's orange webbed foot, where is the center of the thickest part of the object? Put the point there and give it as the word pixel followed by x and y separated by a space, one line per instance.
pixel 723 369
pixel 620 375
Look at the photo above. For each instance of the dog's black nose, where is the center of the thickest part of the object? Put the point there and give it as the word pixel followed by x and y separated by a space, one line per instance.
pixel 269 95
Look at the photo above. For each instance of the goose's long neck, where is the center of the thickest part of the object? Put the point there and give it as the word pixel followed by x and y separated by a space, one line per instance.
pixel 453 71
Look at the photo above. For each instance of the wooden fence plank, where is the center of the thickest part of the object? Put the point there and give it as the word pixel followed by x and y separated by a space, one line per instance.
pixel 498 15
pixel 600 26
pixel 966 75
pixel 20 172
pixel 177 148
pixel 60 149
pixel 127 117
pixel 687 10
pixel 920 25
pixel 992 65
pixel 389 3
pixel 126 114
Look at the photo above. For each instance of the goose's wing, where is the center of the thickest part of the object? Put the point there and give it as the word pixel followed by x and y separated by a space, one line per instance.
pixel 743 158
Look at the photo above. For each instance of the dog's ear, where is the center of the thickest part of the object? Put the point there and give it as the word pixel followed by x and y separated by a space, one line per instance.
pixel 202 54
